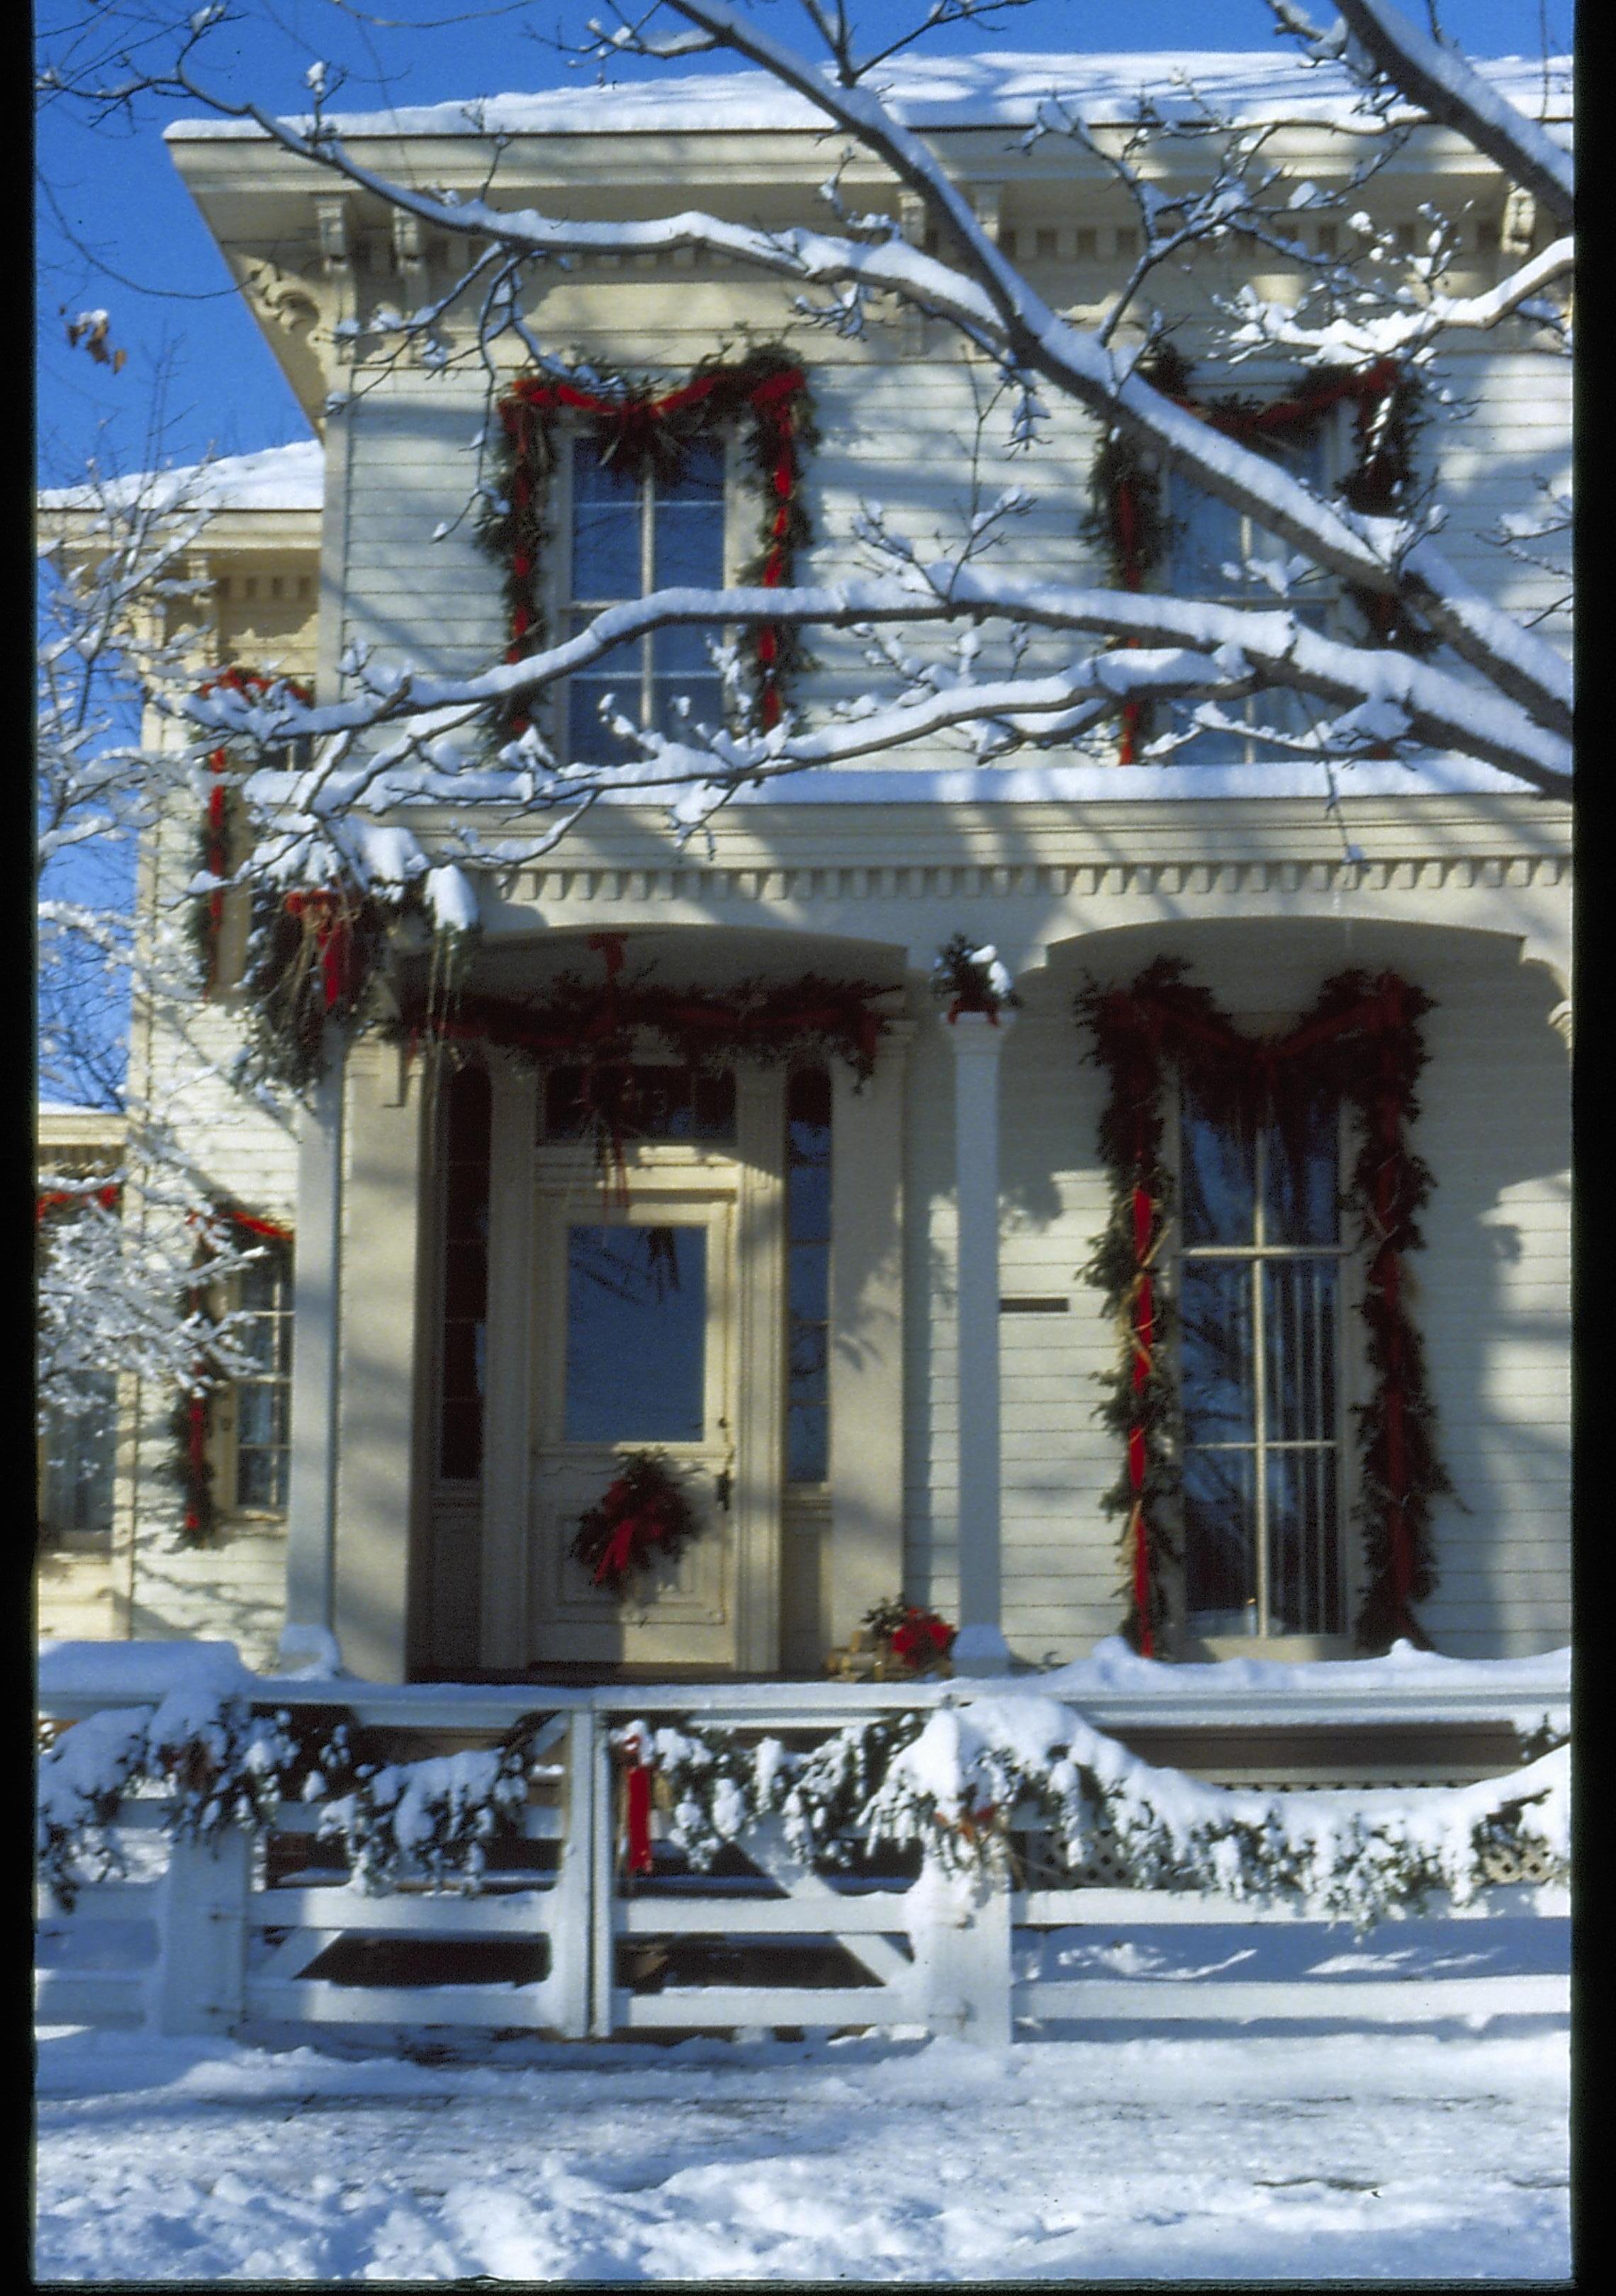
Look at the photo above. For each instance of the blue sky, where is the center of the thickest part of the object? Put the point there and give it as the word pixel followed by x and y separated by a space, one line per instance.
pixel 117 232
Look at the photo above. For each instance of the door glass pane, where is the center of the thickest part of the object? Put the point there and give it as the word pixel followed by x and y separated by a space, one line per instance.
pixel 1305 1593
pixel 636 1332
pixel 1299 1319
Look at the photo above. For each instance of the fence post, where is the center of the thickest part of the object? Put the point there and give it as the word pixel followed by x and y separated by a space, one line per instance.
pixel 570 1901
pixel 959 1926
pixel 602 1909
pixel 201 1973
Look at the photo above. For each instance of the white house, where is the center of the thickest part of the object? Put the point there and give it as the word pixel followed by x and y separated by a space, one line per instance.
pixel 691 1158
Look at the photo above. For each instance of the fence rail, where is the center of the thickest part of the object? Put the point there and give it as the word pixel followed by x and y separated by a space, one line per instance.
pixel 237 1934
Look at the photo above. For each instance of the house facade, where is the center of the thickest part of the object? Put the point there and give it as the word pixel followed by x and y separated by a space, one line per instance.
pixel 692 1159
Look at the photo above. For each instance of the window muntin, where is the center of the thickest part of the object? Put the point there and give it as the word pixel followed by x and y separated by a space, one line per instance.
pixel 808 1207
pixel 1260 1282
pixel 631 534
pixel 263 1398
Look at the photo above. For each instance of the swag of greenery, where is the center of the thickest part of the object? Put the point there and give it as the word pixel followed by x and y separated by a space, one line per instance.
pixel 599 1026
pixel 639 429
pixel 1361 1045
pixel 641 1518
pixel 191 1421
pixel 1128 520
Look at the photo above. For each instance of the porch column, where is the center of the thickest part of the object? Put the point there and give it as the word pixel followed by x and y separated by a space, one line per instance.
pixel 978 1039
pixel 316 1279
pixel 379 1362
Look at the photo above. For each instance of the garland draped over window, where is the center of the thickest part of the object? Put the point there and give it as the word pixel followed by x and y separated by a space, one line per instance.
pixel 640 431
pixel 1362 1043
pixel 191 1422
pixel 1129 521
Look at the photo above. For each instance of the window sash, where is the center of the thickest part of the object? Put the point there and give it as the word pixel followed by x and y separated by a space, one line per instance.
pixel 1262 1476
pixel 627 539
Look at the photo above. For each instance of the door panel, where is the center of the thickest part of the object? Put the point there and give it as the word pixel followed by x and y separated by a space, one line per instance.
pixel 635 1350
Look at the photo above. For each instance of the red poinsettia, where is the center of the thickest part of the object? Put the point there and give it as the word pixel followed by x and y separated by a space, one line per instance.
pixel 916 1637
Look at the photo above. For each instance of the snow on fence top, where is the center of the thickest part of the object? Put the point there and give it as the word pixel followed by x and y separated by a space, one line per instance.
pixel 275 478
pixel 1003 88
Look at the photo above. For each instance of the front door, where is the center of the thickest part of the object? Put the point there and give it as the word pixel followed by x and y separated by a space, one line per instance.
pixel 636 1341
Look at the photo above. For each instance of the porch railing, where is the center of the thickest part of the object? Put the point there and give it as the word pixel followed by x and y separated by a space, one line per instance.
pixel 247 1934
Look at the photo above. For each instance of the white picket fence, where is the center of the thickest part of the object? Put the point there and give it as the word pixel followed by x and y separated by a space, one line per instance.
pixel 234 1938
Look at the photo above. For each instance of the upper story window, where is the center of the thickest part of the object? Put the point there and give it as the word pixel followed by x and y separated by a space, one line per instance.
pixel 1226 556
pixel 632 533
pixel 1259 1278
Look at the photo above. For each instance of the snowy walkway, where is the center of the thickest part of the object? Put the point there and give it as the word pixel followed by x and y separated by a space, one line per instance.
pixel 1360 2156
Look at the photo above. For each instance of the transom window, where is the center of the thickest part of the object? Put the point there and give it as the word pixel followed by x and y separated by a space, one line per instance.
pixel 632 533
pixel 1260 1300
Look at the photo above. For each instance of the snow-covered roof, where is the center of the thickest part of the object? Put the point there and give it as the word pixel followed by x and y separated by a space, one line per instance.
pixel 275 478
pixel 1000 88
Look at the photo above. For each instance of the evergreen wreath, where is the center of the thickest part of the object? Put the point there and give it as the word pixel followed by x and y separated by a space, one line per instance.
pixel 1362 1043
pixel 641 1518
pixel 1128 518
pixel 191 1421
pixel 643 427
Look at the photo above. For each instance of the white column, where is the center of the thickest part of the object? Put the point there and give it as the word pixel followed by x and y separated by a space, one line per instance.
pixel 317 1286
pixel 978 1039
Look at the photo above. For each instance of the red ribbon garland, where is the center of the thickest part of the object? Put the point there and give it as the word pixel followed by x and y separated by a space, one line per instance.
pixel 330 918
pixel 634 421
pixel 54 1200
pixel 636 1814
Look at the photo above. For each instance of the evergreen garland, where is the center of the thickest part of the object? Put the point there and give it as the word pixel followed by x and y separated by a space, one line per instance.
pixel 206 915
pixel 191 1420
pixel 641 426
pixel 1362 1043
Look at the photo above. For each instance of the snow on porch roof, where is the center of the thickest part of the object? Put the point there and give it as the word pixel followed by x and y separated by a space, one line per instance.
pixel 980 90
pixel 275 478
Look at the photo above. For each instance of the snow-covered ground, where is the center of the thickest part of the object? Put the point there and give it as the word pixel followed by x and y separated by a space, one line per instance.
pixel 1357 2155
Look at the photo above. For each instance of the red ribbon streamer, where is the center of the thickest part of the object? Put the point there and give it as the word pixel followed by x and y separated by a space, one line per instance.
pixel 637 1812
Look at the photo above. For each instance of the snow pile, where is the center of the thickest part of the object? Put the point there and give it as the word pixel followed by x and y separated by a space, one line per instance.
pixel 1301 2158
pixel 273 478
pixel 956 1781
pixel 1005 88
pixel 1113 1664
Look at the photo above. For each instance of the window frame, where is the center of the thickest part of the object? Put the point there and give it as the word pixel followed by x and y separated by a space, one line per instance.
pixel 1349 1391
pixel 561 602
pixel 225 1445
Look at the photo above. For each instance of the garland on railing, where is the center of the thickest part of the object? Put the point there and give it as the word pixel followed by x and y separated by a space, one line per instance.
pixel 1128 519
pixel 956 1783
pixel 643 1517
pixel 207 914
pixel 1362 1045
pixel 641 429
pixel 432 1820
pixel 191 1421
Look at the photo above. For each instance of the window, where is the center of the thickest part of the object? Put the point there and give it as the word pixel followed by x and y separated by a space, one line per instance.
pixel 1221 556
pixel 1259 1365
pixel 462 1365
pixel 76 1456
pixel 263 1399
pixel 808 1204
pixel 631 534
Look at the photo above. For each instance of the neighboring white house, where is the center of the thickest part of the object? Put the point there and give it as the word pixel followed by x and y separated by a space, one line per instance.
pixel 800 1285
